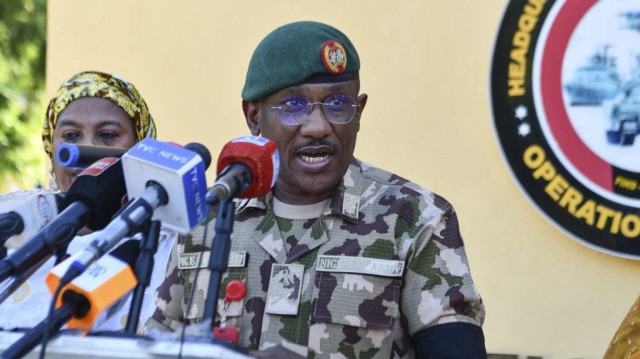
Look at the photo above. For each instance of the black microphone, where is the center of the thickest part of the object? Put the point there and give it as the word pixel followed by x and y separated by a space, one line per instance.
pixel 93 198
pixel 81 156
pixel 167 182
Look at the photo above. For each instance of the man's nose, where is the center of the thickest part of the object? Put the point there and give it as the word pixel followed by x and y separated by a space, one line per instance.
pixel 317 124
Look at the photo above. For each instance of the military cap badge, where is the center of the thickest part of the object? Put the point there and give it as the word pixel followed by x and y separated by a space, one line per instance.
pixel 334 57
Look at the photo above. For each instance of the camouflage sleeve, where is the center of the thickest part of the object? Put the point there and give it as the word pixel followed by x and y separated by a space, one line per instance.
pixel 169 295
pixel 438 286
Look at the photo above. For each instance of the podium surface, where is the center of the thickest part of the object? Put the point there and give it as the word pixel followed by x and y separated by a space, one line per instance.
pixel 99 347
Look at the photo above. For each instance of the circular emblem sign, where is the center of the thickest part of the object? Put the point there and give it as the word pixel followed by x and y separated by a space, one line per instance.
pixel 565 93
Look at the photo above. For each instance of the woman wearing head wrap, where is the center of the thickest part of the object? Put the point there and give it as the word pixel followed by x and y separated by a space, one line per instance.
pixel 97 109
pixel 93 108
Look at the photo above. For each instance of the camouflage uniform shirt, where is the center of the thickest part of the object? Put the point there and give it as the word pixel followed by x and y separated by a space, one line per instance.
pixel 384 261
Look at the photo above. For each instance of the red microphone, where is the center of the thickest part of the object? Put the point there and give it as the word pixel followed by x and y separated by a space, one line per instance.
pixel 247 167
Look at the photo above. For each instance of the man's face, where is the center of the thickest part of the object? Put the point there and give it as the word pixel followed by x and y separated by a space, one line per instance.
pixel 315 155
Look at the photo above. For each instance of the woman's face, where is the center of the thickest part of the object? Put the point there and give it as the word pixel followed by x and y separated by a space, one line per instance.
pixel 90 121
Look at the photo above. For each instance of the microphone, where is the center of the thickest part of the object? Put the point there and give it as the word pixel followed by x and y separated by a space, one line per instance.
pixel 247 167
pixel 23 213
pixel 93 198
pixel 152 168
pixel 82 300
pixel 70 155
pixel 101 187
pixel 180 170
pixel 103 283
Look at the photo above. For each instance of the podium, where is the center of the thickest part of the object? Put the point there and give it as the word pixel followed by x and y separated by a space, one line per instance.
pixel 65 346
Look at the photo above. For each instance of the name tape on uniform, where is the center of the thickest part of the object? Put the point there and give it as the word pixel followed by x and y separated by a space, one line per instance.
pixel 361 265
pixel 237 259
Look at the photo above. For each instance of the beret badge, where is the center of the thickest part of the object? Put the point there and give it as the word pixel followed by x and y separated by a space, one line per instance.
pixel 334 57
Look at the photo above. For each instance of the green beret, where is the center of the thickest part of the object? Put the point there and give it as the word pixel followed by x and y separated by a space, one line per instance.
pixel 300 52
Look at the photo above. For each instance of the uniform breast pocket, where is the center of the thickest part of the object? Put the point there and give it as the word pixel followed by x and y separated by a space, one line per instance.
pixel 195 291
pixel 345 295
pixel 232 308
pixel 197 286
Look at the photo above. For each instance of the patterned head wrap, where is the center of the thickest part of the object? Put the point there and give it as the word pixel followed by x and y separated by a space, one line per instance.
pixel 98 84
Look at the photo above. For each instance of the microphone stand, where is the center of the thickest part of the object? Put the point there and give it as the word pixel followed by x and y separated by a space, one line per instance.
pixel 74 305
pixel 11 284
pixel 143 271
pixel 50 239
pixel 220 247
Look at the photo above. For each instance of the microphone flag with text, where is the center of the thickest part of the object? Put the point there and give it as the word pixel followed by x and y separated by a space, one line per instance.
pixel 247 167
pixel 23 213
pixel 81 156
pixel 165 182
pixel 82 300
pixel 92 200
pixel 104 282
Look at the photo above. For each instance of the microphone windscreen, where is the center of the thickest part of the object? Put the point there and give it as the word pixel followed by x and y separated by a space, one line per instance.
pixel 201 150
pixel 72 155
pixel 260 155
pixel 34 209
pixel 102 187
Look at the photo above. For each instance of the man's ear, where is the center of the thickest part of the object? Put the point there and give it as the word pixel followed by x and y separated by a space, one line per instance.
pixel 362 102
pixel 251 111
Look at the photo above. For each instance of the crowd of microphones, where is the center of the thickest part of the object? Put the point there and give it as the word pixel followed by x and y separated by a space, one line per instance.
pixel 120 193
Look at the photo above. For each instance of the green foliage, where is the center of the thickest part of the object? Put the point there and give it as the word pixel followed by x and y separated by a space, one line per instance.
pixel 22 91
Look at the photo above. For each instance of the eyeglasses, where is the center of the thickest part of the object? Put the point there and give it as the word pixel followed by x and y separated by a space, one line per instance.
pixel 338 109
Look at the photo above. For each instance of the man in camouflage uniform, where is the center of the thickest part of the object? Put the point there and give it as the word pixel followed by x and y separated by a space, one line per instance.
pixel 341 259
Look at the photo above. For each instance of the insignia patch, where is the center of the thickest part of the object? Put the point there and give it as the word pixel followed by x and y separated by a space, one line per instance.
pixel 351 205
pixel 285 285
pixel 361 265
pixel 334 57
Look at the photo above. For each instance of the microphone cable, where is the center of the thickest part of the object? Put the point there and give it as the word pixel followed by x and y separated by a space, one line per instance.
pixel 52 306
pixel 45 335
